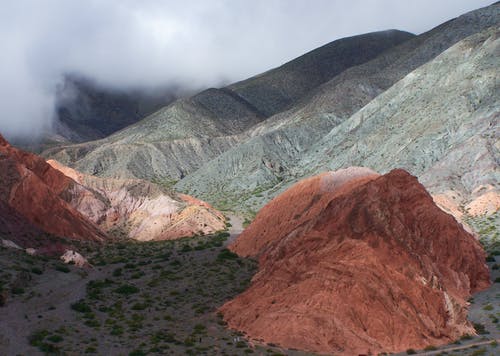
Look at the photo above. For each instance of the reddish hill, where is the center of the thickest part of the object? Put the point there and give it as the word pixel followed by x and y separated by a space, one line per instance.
pixel 139 209
pixel 63 202
pixel 31 191
pixel 356 263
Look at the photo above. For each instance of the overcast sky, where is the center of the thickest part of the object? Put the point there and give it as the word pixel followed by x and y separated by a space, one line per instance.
pixel 126 43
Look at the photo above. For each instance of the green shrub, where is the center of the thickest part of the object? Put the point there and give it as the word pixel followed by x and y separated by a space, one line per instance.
pixel 17 290
pixel 410 352
pixel 241 344
pixel 36 270
pixel 81 307
pixel 140 306
pixel 126 289
pixel 55 338
pixel 37 337
pixel 116 330
pixel 137 353
pixel 90 350
pixel 481 330
pixel 225 254
pixel 62 268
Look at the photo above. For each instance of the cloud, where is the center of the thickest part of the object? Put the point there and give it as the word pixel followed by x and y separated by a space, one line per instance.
pixel 194 44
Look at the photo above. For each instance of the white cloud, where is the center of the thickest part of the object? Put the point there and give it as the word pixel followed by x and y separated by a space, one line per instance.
pixel 144 44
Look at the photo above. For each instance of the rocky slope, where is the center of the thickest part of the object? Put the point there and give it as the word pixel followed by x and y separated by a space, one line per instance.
pixel 86 111
pixel 198 129
pixel 60 201
pixel 351 262
pixel 31 190
pixel 285 147
pixel 441 123
pixel 139 209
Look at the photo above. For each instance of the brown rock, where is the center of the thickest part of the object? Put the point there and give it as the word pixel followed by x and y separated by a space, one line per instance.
pixel 356 263
pixel 31 190
pixel 142 210
pixel 38 196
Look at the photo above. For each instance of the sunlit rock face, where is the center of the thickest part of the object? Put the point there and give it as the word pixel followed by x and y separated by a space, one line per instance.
pixel 352 262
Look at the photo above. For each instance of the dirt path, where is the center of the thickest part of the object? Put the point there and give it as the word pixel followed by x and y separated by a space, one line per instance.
pixel 236 228
pixel 458 348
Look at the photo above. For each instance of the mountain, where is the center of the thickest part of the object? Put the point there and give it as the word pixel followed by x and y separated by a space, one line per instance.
pixel 441 122
pixel 87 111
pixel 31 191
pixel 352 262
pixel 179 138
pixel 301 140
pixel 38 197
pixel 140 210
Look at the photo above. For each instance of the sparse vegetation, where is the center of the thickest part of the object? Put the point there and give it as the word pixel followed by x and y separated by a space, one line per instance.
pixel 151 298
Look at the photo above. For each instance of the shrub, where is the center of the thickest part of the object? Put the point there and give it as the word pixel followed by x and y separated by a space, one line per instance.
pixel 36 270
pixel 241 344
pixel 17 290
pixel 410 352
pixel 126 289
pixel 225 254
pixel 137 353
pixel 90 350
pixel 116 330
pixel 140 306
pixel 37 337
pixel 81 307
pixel 62 268
pixel 480 329
pixel 55 338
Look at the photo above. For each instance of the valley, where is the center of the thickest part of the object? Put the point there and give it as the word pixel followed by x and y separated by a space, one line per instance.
pixel 345 202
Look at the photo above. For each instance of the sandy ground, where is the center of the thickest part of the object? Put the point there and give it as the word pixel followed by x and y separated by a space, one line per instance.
pixel 236 228
pixel 55 293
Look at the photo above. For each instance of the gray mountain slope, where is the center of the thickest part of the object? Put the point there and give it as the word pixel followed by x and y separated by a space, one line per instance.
pixel 215 113
pixel 279 88
pixel 441 123
pixel 86 111
pixel 278 144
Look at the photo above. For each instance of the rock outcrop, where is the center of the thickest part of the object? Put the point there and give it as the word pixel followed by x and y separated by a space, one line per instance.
pixel 176 140
pixel 139 209
pixel 31 190
pixel 351 262
pixel 38 198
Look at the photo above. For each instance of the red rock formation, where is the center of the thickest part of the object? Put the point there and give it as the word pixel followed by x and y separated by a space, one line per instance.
pixel 142 210
pixel 63 202
pixel 356 263
pixel 32 188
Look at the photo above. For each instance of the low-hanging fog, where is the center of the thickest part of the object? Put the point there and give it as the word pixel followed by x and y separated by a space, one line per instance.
pixel 126 44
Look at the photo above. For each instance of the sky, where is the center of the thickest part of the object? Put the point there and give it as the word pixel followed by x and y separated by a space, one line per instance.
pixel 126 44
